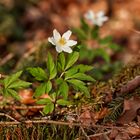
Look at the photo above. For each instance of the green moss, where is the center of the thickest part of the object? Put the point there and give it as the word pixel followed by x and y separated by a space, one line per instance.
pixel 128 73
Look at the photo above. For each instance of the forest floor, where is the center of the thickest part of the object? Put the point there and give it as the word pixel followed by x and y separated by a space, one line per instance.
pixel 112 112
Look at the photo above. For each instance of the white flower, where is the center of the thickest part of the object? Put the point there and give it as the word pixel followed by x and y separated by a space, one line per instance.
pixel 96 18
pixel 62 43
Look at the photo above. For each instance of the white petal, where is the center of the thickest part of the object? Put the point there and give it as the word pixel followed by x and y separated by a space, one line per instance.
pixel 58 49
pixel 89 15
pixel 99 23
pixel 100 14
pixel 67 35
pixel 101 20
pixel 51 40
pixel 104 18
pixel 71 43
pixel 67 49
pixel 56 35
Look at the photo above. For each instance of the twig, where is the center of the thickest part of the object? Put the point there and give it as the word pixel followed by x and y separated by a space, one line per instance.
pixel 39 122
pixel 8 116
pixel 84 133
pixel 6 58
pixel 106 137
pixel 45 121
pixel 135 31
pixel 81 127
pixel 26 55
pixel 2 76
pixel 22 107
pixel 99 134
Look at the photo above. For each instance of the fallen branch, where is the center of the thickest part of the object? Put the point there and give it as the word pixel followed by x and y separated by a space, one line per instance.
pixel 45 121
pixel 12 107
pixel 130 86
pixel 26 55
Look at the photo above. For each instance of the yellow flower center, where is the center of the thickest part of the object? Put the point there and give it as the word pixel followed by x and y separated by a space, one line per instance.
pixel 62 41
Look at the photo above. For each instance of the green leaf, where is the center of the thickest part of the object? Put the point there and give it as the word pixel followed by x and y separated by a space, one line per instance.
pixel 53 95
pixel 13 93
pixel 80 85
pixel 61 60
pixel 1 81
pixel 82 76
pixel 64 89
pixel 50 63
pixel 13 82
pixel 86 53
pixel 95 32
pixel 80 33
pixel 71 72
pixel 63 102
pixel 78 73
pixel 42 89
pixel 38 73
pixel 84 68
pixel 105 40
pixel 48 108
pixel 59 81
pixel 49 87
pixel 72 58
pixel 76 82
pixel 51 67
pixel 115 47
pixel 53 73
pixel 102 53
pixel 5 92
pixel 84 25
pixel 98 74
pixel 59 69
pixel 19 84
pixel 44 101
pixel 10 79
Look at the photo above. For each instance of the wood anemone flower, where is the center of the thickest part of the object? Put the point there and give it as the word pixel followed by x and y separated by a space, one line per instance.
pixel 62 43
pixel 96 18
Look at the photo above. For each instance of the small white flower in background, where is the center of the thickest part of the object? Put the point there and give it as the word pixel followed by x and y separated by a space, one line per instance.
pixel 62 43
pixel 96 18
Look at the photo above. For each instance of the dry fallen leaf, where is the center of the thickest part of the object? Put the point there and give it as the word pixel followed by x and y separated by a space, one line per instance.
pixel 100 114
pixel 130 110
pixel 113 134
pixel 26 96
pixel 133 131
pixel 122 136
pixel 86 118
